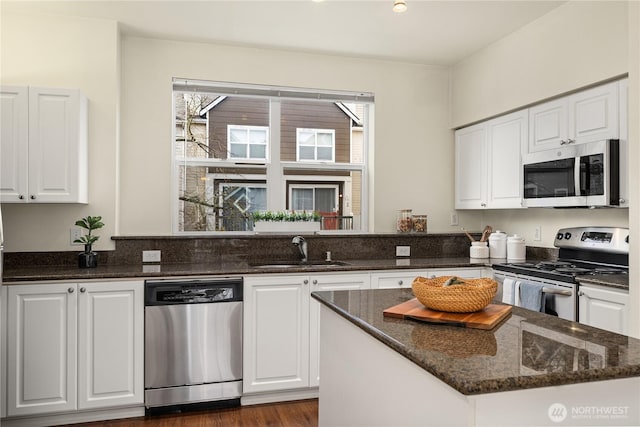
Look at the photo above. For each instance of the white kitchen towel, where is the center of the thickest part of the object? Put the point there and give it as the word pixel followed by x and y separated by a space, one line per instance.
pixel 516 293
pixel 531 296
pixel 507 291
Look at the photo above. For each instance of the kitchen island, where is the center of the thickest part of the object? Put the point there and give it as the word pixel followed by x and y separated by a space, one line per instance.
pixel 531 369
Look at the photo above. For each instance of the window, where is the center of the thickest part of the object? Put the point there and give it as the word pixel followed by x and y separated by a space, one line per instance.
pixel 247 142
pixel 244 148
pixel 316 145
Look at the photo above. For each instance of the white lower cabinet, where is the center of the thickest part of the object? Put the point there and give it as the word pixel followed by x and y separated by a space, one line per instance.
pixel 281 328
pixel 604 308
pixel 74 346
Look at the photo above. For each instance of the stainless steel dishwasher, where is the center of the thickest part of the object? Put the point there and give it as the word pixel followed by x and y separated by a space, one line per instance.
pixel 193 343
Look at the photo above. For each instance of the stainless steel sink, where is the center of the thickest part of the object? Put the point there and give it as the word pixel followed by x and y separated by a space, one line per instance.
pixel 321 264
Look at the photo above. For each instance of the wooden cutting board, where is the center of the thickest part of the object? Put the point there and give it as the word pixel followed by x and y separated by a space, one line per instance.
pixel 486 318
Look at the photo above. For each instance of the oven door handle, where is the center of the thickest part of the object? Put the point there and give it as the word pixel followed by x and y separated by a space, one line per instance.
pixel 553 291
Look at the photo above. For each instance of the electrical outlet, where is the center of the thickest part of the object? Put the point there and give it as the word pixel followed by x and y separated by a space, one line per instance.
pixel 75 233
pixel 150 256
pixel 453 218
pixel 403 250
pixel 537 233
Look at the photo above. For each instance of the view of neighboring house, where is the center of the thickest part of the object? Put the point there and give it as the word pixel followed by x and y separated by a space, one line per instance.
pixel 225 143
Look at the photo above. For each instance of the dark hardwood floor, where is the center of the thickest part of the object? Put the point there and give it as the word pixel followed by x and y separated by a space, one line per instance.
pixel 301 413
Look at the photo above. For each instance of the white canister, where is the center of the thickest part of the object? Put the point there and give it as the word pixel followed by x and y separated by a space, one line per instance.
pixel 498 244
pixel 516 249
pixel 479 250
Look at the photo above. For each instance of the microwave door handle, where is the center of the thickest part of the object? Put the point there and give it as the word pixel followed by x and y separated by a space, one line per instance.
pixel 576 176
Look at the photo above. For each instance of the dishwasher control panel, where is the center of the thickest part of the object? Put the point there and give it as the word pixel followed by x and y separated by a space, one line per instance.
pixel 168 292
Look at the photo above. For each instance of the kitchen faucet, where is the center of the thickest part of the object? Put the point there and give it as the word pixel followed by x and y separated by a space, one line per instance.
pixel 302 246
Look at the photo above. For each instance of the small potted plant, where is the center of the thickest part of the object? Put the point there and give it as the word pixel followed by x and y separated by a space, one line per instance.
pixel 88 258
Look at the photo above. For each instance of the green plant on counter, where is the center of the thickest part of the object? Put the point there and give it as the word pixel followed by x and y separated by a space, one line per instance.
pixel 291 216
pixel 89 223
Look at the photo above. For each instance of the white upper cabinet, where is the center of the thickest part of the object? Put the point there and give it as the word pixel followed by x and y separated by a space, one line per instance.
pixel 586 116
pixel 43 150
pixel 488 163
pixel 14 142
pixel 471 167
pixel 506 137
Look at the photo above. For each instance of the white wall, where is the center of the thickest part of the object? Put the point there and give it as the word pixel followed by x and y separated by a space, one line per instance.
pixel 575 45
pixel 413 152
pixel 67 53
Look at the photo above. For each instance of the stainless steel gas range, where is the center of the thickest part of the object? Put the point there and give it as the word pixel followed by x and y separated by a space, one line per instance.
pixel 582 251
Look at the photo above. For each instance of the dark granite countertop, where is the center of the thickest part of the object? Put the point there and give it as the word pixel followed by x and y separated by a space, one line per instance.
pixel 240 267
pixel 526 350
pixel 618 281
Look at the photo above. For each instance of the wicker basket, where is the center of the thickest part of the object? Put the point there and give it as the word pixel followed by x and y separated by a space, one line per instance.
pixel 473 295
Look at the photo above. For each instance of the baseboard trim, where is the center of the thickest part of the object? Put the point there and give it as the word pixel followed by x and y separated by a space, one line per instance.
pixel 279 396
pixel 73 418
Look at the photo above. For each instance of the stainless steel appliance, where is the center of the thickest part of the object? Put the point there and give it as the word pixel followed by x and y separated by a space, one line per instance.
pixel 584 175
pixel 193 343
pixel 582 251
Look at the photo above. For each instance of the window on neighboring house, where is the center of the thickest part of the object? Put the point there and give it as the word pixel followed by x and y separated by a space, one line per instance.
pixel 244 148
pixel 316 145
pixel 247 142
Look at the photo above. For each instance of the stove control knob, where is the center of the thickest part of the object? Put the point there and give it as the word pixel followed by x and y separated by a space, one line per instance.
pixel 567 235
pixel 559 236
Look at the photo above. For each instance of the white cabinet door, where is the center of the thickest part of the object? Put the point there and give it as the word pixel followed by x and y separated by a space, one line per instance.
pixel 44 146
pixel 548 124
pixel 586 116
pixel 471 167
pixel 604 308
pixel 57 146
pixel 14 140
pixel 593 114
pixel 42 349
pixel 506 138
pixel 327 282
pixel 276 333
pixel 111 342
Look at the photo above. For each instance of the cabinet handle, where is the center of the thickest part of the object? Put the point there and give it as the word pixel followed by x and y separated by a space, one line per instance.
pixel 622 201
pixel 563 142
pixel 433 276
pixel 70 290
pixel 83 289
pixel 484 205
pixel 32 197
pixel 400 282
pixel 570 141
pixel 581 293
pixel 315 282
pixel 306 282
pixel 21 197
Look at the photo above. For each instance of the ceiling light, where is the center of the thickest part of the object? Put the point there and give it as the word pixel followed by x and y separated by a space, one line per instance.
pixel 399 6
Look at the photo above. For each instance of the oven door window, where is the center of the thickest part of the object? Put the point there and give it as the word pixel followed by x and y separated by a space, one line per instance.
pixel 555 178
pixel 592 175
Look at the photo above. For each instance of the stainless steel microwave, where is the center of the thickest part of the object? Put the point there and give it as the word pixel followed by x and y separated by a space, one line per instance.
pixel 584 175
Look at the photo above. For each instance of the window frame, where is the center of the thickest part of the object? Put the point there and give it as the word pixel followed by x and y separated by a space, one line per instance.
pixel 315 146
pixel 248 143
pixel 275 175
